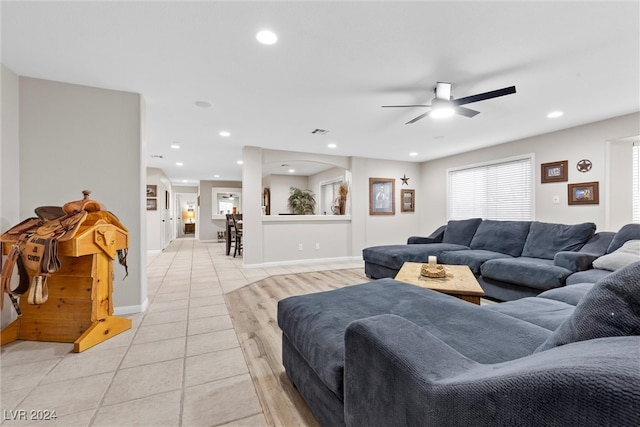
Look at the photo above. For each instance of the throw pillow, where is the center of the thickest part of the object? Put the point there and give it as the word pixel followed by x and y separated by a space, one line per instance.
pixel 611 308
pixel 627 254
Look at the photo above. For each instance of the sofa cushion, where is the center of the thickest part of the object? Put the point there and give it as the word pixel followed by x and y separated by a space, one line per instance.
pixel 587 276
pixel 568 294
pixel 627 254
pixel 506 237
pixel 535 273
pixel 611 308
pixel 461 232
pixel 546 239
pixel 546 313
pixel 393 256
pixel 473 258
pixel 627 232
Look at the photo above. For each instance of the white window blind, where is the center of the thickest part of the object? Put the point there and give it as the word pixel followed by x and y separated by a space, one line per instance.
pixel 636 182
pixel 501 191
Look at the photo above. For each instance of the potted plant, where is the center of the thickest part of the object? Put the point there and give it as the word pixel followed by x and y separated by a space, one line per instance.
pixel 301 202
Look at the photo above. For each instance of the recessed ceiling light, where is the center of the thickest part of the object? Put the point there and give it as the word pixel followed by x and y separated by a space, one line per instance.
pixel 224 133
pixel 185 180
pixel 175 146
pixel 266 37
pixel 216 176
pixel 203 104
pixel 413 154
pixel 292 170
pixel 179 163
pixel 332 145
pixel 239 162
pixel 554 114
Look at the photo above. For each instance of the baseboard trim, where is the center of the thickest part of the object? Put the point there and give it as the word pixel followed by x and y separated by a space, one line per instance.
pixel 303 261
pixel 131 309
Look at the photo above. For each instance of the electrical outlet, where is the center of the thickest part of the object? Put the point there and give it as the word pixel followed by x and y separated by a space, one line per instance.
pixel 299 246
pixel 556 200
pixel 317 246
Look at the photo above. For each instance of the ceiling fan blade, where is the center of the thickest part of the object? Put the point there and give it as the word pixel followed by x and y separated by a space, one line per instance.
pixel 467 112
pixel 421 116
pixel 402 106
pixel 484 96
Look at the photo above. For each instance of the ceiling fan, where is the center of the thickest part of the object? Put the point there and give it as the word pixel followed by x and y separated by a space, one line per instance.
pixel 443 105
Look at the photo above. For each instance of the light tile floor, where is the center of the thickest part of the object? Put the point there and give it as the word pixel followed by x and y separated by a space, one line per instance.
pixel 179 365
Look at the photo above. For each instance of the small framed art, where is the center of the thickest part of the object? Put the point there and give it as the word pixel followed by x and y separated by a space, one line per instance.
pixel 407 200
pixel 584 193
pixel 554 171
pixel 382 196
pixel 152 190
pixel 152 204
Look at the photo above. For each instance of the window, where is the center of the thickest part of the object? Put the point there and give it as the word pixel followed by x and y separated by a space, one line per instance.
pixel 636 182
pixel 501 190
pixel 328 195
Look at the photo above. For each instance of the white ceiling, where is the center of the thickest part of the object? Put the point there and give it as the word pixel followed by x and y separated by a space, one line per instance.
pixel 333 67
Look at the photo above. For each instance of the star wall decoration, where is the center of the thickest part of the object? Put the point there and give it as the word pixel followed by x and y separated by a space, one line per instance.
pixel 404 179
pixel 584 165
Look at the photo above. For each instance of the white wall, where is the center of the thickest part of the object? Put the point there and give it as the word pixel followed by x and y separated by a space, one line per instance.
pixel 583 142
pixel 9 166
pixel 280 188
pixel 77 137
pixel 372 230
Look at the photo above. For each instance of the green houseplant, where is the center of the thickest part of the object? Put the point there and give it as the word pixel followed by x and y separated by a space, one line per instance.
pixel 301 202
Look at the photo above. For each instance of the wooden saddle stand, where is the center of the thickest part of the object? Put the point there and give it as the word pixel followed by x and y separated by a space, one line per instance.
pixel 64 259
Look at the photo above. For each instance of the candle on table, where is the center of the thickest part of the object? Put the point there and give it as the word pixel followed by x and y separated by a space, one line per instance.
pixel 433 261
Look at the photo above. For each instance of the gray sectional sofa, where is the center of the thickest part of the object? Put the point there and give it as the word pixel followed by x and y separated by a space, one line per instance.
pixel 387 353
pixel 511 259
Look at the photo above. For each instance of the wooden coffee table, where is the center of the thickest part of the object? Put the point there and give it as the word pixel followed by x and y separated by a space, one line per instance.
pixel 459 282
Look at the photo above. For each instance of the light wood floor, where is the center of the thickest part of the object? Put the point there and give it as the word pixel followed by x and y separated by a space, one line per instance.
pixel 253 310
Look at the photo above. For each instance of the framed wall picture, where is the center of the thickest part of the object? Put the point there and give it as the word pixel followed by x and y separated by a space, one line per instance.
pixel 554 171
pixel 584 193
pixel 152 190
pixel 382 196
pixel 407 200
pixel 152 204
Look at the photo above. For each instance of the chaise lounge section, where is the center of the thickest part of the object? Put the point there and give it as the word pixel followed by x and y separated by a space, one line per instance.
pixel 389 353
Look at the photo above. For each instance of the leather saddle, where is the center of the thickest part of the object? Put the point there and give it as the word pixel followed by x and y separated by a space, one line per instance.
pixel 35 247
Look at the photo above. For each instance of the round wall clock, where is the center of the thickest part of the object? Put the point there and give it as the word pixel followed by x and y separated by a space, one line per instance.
pixel 584 165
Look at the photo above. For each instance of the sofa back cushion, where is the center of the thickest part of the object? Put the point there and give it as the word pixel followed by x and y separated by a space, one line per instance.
pixel 461 232
pixel 506 237
pixel 627 232
pixel 546 239
pixel 611 308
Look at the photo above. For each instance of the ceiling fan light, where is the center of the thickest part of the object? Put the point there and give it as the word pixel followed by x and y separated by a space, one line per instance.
pixel 442 112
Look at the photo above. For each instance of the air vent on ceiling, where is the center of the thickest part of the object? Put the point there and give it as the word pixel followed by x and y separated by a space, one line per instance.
pixel 319 131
